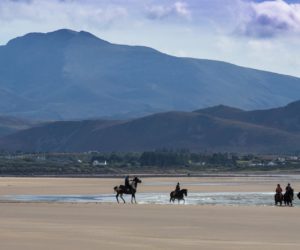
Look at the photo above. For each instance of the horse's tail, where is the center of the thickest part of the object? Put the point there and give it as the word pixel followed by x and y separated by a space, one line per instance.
pixel 116 189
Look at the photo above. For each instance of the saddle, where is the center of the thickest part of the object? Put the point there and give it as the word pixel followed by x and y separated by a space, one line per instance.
pixel 176 192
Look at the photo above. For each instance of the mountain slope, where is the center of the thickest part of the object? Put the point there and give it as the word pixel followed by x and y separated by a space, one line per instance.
pixel 75 75
pixel 215 129
pixel 10 125
pixel 285 118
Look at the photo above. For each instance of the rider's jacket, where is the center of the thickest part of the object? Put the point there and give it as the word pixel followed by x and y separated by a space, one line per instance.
pixel 278 190
pixel 127 181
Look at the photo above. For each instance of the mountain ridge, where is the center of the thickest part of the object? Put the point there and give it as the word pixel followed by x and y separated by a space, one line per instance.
pixel 65 74
pixel 10 125
pixel 202 130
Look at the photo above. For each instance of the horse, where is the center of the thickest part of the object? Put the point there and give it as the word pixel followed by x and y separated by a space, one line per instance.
pixel 122 189
pixel 178 195
pixel 278 197
pixel 298 195
pixel 288 197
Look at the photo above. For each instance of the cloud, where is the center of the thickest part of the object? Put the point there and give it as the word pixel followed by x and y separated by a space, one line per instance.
pixel 269 19
pixel 67 12
pixel 177 9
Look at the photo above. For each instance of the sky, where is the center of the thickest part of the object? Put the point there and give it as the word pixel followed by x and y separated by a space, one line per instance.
pixel 262 34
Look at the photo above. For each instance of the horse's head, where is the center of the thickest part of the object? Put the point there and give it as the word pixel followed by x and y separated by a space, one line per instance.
pixel 136 180
pixel 185 191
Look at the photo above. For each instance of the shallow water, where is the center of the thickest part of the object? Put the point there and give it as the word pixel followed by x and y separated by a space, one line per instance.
pixel 169 183
pixel 205 198
pixel 233 181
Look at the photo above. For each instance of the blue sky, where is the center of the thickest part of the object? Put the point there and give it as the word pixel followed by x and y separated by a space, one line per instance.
pixel 263 34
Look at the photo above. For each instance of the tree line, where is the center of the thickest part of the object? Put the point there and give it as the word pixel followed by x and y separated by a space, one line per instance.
pixel 167 158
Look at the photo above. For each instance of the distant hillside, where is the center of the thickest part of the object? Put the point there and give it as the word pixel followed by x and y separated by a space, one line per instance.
pixel 219 128
pixel 284 118
pixel 74 75
pixel 10 125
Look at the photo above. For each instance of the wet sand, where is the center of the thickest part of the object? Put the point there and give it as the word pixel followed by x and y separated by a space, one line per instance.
pixel 82 186
pixel 35 226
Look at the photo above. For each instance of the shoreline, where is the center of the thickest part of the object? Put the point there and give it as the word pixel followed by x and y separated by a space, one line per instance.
pixel 221 190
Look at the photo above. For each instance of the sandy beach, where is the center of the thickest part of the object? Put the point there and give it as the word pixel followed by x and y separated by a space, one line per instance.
pixel 35 226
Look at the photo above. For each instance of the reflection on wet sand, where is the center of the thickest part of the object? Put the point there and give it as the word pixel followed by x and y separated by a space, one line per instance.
pixel 205 198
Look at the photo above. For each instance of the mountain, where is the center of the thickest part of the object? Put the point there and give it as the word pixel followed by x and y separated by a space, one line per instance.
pixel 10 125
pixel 66 75
pixel 285 118
pixel 219 128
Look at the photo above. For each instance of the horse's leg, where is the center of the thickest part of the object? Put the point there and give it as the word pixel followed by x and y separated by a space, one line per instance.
pixel 117 195
pixel 183 200
pixel 121 195
pixel 133 196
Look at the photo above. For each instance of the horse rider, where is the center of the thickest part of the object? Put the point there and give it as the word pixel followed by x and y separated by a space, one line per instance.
pixel 288 188
pixel 177 188
pixel 127 184
pixel 278 189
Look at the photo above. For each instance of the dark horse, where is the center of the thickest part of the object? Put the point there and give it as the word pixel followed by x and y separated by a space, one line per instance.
pixel 288 197
pixel 179 195
pixel 298 195
pixel 120 190
pixel 278 197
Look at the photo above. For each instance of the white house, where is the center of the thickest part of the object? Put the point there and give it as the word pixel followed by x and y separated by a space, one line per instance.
pixel 98 163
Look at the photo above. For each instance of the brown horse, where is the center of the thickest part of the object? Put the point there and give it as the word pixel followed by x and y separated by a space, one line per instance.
pixel 178 195
pixel 122 189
